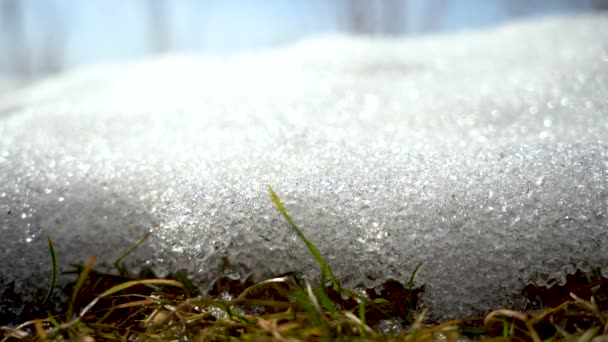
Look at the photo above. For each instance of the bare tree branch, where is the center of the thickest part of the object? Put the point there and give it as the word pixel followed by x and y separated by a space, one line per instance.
pixel 159 27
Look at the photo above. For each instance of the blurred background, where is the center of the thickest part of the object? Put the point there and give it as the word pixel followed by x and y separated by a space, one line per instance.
pixel 42 37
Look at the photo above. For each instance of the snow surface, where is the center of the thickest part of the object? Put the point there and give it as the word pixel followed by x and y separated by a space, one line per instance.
pixel 482 155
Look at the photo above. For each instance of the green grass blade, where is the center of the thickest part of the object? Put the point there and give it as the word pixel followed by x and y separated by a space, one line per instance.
pixel 315 252
pixel 410 283
pixel 324 300
pixel 226 307
pixel 120 269
pixel 53 320
pixel 362 319
pixel 54 271
pixel 410 288
pixel 183 278
pixel 305 302
pixel 362 312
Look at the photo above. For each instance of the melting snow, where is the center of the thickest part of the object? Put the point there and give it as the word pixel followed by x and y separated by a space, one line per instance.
pixel 482 155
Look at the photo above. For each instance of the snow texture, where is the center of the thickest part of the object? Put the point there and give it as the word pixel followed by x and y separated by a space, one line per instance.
pixel 482 155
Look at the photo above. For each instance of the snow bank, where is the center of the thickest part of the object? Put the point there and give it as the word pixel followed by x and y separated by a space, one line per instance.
pixel 482 155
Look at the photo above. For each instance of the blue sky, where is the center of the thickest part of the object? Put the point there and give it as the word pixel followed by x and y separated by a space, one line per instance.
pixel 91 31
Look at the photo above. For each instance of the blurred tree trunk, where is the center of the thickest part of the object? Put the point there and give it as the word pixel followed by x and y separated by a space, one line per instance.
pixel 159 27
pixel 394 17
pixel 13 32
pixel 601 5
pixel 52 49
pixel 434 15
pixel 375 16
pixel 517 8
pixel 360 16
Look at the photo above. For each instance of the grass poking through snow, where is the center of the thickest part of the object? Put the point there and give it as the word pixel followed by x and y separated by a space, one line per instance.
pixel 49 293
pixel 289 308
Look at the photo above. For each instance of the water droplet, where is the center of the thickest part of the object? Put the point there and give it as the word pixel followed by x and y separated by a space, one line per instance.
pixel 48 191
pixel 547 122
pixel 23 216
pixel 61 199
pixel 533 110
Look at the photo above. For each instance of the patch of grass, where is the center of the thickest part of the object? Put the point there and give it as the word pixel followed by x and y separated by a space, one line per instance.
pixel 289 308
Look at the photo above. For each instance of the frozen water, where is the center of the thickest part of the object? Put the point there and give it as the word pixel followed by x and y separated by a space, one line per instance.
pixel 482 155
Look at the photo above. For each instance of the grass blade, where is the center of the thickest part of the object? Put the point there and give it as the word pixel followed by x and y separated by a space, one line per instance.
pixel 120 269
pixel 84 274
pixel 54 272
pixel 311 308
pixel 410 288
pixel 128 284
pixel 325 301
pixel 410 283
pixel 315 252
pixel 53 320
pixel 362 312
